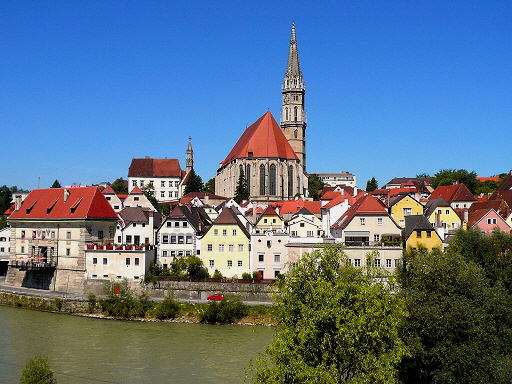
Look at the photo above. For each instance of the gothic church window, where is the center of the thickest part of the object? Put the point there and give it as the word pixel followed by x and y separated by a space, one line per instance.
pixel 290 181
pixel 248 177
pixel 262 179
pixel 295 113
pixel 272 182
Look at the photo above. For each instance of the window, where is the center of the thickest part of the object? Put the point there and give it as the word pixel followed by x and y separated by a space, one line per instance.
pixel 262 179
pixel 272 181
pixel 185 224
pixel 128 239
pixel 94 276
pixel 181 239
pixel 175 193
pixel 215 232
pixel 379 221
pixel 310 234
pixel 162 183
pixel 127 261
pixel 162 194
pixel 377 262
pixel 248 175
pixel 22 249
pixel 269 243
pixel 136 198
pixel 95 260
pixel 187 253
pixel 134 224
pixel 22 234
pixel 68 252
pixel 173 253
pixel 224 232
pixel 68 235
pixel 119 239
pixel 492 221
pixel 277 258
pixel 221 247
pixel 240 247
pixel 388 263
pixel 142 183
pixel 407 211
pixel 234 232
pixel 170 193
pixel 209 247
pixel 170 183
pixel 418 233
pixel 401 223
pixel 357 262
pixel 230 263
pixel 134 183
pixel 240 263
pixel 231 248
pixel 173 239
pixel 429 233
pixel 104 261
pixel 447 211
pixel 376 238
pixel 361 221
pixel 302 225
pixel 290 181
pixel 189 239
pixel 176 184
pixel 165 239
pixel 146 240
pixel 176 223
pixel 164 253
pixel 265 221
pixel 261 257
pixel 276 274
pixel 397 262
pixel 212 263
pixel 294 233
pixel 108 198
pixel 137 260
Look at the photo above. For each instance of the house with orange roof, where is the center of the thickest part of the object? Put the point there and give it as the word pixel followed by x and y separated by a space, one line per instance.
pixel 5 249
pixel 137 198
pixel 269 220
pixel 287 208
pixel 304 224
pixel 270 166
pixel 487 220
pixel 458 195
pixel 114 200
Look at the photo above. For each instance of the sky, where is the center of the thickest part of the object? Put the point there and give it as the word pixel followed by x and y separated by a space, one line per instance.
pixel 393 88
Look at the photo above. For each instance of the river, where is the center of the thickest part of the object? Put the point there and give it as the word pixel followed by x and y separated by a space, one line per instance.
pixel 89 350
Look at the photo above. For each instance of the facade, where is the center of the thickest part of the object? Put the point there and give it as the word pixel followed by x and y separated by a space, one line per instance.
pixel 487 220
pixel 226 246
pixel 181 232
pixel 50 232
pixel 442 217
pixel 137 226
pixel 269 220
pixel 402 206
pixel 305 224
pixel 419 232
pixel 337 178
pixel 136 198
pixel 165 175
pixel 5 249
pixel 269 254
pixel 113 199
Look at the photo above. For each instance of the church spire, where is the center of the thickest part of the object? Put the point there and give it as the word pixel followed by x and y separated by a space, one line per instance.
pixel 190 156
pixel 293 114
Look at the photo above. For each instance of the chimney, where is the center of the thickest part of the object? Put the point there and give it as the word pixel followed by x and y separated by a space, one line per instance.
pixel 466 215
pixel 355 191
pixel 17 202
pixel 66 195
pixel 438 220
pixel 342 191
pixel 151 219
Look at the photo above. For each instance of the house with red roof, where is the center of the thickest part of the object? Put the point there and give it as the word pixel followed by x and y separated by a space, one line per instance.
pixel 137 198
pixel 113 198
pixel 458 195
pixel 487 220
pixel 271 168
pixel 305 224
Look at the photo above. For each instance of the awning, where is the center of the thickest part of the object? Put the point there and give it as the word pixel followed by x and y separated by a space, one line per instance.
pixel 357 233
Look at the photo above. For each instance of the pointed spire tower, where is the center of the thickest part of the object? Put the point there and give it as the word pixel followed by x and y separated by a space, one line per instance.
pixel 189 162
pixel 293 114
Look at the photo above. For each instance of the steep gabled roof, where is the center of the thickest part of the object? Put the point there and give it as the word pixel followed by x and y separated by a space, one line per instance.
pixel 108 191
pixel 416 223
pixel 49 204
pixel 366 205
pixel 433 204
pixel 136 191
pixel 264 139
pixel 455 192
pixel 477 215
pixel 148 167
pixel 140 215
pixel 506 184
pixel 229 216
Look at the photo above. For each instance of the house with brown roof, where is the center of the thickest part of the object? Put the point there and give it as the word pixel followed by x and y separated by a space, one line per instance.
pixel 487 220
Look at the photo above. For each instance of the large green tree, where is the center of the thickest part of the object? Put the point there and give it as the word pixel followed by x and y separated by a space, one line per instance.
pixel 314 186
pixel 241 191
pixel 194 183
pixel 450 176
pixel 459 323
pixel 209 187
pixel 372 185
pixel 5 198
pixel 337 324
pixel 119 186
pixel 38 371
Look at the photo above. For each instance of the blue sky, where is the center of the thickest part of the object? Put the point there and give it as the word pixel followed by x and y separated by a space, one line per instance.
pixel 394 88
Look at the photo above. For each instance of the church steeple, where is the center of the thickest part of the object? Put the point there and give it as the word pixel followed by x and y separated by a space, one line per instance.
pixel 189 163
pixel 293 114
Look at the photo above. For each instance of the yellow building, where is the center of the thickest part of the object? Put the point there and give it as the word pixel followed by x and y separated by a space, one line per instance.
pixel 418 231
pixel 269 220
pixel 404 205
pixel 440 214
pixel 225 246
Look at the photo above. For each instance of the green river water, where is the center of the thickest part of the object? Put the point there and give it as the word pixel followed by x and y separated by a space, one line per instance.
pixel 88 350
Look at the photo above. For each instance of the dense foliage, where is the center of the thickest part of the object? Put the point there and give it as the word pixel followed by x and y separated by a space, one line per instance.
pixel 314 186
pixel 121 303
pixel 119 186
pixel 337 323
pixel 149 192
pixel 5 198
pixel 56 184
pixel 166 309
pixel 194 183
pixel 241 191
pixel 450 176
pixel 226 311
pixel 371 185
pixel 37 371
pixel 209 187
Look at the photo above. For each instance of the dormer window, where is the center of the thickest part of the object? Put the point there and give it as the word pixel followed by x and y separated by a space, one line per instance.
pixel 250 155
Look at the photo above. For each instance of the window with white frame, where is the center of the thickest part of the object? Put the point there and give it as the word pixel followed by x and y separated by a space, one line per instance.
pixel 361 221
pixel 310 234
pixel 234 232
pixel 240 263
pixel 240 247
pixel 173 239
pixel 407 211
pixel 231 248
pixel 294 233
pixel 492 221
pixel 209 247
pixel 376 238
pixel 277 257
pixel 261 257
pixel 212 263
pixel 224 232
pixel 377 262
pixel 189 239
pixel 388 263
pixel 357 262
pixel 215 232
pixel 165 239
pixel 221 247
pixel 379 221
pixel 164 253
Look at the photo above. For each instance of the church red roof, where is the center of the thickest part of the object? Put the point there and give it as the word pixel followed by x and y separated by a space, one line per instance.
pixel 263 139
pixel 49 204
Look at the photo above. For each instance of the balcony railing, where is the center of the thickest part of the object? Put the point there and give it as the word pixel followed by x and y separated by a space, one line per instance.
pixel 33 264
pixel 118 247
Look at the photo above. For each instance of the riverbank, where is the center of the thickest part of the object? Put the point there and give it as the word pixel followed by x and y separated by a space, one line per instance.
pixel 188 312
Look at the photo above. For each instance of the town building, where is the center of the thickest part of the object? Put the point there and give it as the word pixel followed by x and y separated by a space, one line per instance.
pixel 333 179
pixel 419 232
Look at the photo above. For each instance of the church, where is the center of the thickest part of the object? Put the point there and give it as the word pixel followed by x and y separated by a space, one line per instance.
pixel 272 158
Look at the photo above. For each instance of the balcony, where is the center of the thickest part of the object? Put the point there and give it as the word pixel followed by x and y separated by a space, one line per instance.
pixel 33 264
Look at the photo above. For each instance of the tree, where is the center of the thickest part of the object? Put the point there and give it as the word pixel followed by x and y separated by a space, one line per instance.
pixel 38 371
pixel 371 185
pixel 241 191
pixel 337 323
pixel 450 176
pixel 486 187
pixel 56 184
pixel 190 266
pixel 119 186
pixel 209 187
pixel 422 175
pixel 5 198
pixel 3 221
pixel 315 185
pixel 149 192
pixel 194 183
pixel 459 324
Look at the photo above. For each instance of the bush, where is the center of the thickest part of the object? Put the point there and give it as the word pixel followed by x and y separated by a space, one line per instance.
pixel 246 276
pixel 224 312
pixel 167 309
pixel 37 370
pixel 121 303
pixel 59 303
pixel 91 305
pixel 217 274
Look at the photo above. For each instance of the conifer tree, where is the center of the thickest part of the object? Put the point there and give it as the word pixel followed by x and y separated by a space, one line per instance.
pixel 241 192
pixel 371 185
pixel 56 184
pixel 194 183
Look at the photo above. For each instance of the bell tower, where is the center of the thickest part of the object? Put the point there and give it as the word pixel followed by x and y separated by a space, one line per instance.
pixel 189 162
pixel 293 114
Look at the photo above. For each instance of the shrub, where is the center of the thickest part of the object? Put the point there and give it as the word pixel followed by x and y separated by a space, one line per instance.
pixel 217 274
pixel 224 312
pixel 246 276
pixel 59 303
pixel 37 370
pixel 167 309
pixel 91 305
